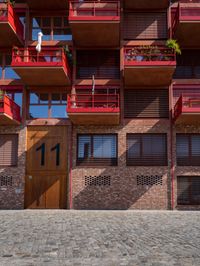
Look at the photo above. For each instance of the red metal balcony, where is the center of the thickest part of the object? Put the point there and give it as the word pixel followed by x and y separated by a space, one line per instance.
pixel 145 66
pixel 49 67
pixel 50 4
pixel 11 28
pixel 95 23
pixel 187 109
pixel 186 23
pixel 9 112
pixel 146 4
pixel 94 109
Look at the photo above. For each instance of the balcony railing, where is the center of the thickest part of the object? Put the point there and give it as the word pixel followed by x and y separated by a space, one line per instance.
pixel 187 103
pixel 10 108
pixel 91 9
pixel 7 14
pixel 155 55
pixel 47 57
pixel 93 103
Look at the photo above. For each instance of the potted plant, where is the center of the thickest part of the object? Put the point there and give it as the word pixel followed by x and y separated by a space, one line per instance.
pixel 173 44
pixel 1 95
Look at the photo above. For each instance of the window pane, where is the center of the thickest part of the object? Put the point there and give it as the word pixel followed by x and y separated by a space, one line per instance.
pixel 1 69
pixel 36 22
pixel 40 111
pixel 47 34
pixel 34 98
pixel 195 189
pixel 134 147
pixel 104 147
pixel 195 145
pixel 57 22
pixel 58 111
pixel 153 145
pixel 18 99
pixel 62 34
pixel 10 73
pixel 46 22
pixel 35 34
pixel 182 146
pixel 55 98
pixel 8 59
pixel 84 147
pixel 44 98
pixel 64 98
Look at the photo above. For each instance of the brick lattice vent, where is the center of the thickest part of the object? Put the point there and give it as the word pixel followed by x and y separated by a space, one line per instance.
pixel 144 180
pixel 97 181
pixel 6 181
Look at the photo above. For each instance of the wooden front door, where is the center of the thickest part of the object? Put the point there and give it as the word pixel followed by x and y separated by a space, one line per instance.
pixel 46 167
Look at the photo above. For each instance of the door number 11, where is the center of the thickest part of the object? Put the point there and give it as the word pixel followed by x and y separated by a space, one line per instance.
pixel 56 148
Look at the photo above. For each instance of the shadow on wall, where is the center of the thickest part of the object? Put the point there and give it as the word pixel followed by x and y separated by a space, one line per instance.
pixel 122 187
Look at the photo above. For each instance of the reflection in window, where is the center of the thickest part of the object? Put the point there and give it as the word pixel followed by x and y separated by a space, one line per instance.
pixel 6 71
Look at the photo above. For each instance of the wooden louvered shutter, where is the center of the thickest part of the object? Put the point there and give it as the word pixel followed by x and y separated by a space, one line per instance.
pixel 146 103
pixel 146 149
pixel 102 64
pixel 8 150
pixel 145 26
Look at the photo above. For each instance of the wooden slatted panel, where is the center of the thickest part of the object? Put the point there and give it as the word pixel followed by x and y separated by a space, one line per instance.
pixel 8 150
pixel 97 150
pixel 146 103
pixel 188 149
pixel 102 64
pixel 145 26
pixel 188 190
pixel 146 149
pixel 188 65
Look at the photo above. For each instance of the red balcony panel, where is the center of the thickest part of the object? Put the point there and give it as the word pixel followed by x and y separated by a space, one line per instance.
pixel 94 109
pixel 95 23
pixel 146 4
pixel 9 112
pixel 148 66
pixel 187 109
pixel 11 28
pixel 50 4
pixel 186 23
pixel 49 67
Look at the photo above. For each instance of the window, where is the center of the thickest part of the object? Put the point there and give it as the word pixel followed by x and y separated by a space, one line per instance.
pixel 188 190
pixel 97 150
pixel 53 28
pixel 146 103
pixel 6 71
pixel 8 150
pixel 147 149
pixel 188 149
pixel 47 105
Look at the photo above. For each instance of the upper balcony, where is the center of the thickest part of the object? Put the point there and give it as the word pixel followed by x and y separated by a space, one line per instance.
pixel 11 28
pixel 49 67
pixel 148 65
pixel 95 23
pixel 186 23
pixel 9 111
pixel 50 4
pixel 94 109
pixel 187 109
pixel 146 4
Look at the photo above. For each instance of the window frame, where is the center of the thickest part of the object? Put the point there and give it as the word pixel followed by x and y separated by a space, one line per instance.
pixel 142 161
pixel 189 160
pixel 91 161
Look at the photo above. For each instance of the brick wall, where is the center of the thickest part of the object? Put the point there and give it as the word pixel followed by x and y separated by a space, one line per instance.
pixel 123 191
pixel 12 197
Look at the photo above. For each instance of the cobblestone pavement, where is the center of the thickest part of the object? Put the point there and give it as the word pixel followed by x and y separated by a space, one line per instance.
pixel 102 238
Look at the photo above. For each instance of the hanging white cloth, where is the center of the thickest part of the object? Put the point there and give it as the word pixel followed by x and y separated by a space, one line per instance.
pixel 39 45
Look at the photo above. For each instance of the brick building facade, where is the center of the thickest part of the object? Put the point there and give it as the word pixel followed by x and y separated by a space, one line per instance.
pixel 104 115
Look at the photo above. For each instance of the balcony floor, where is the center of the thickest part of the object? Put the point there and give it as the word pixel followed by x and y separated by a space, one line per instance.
pixel 45 76
pixel 95 118
pixel 146 76
pixel 6 120
pixel 93 33
pixel 188 119
pixel 8 37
